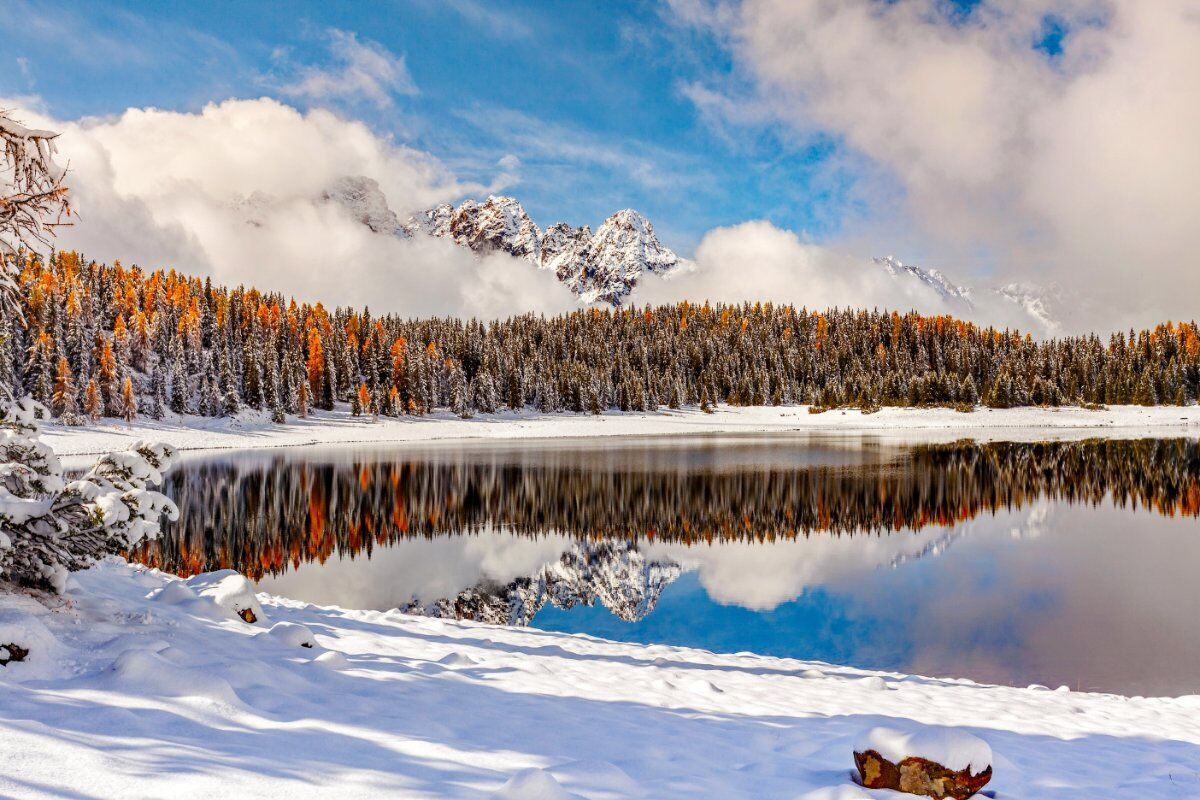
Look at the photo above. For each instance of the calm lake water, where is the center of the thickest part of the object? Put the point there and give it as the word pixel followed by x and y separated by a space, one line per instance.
pixel 1054 563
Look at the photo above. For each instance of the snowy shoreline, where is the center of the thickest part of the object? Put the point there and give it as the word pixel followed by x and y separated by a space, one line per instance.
pixel 134 690
pixel 253 431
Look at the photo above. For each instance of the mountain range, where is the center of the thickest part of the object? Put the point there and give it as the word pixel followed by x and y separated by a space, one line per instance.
pixel 606 265
pixel 603 266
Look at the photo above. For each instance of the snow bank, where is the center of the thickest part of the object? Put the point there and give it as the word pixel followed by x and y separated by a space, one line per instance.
pixel 292 634
pixel 231 591
pixel 954 749
pixel 533 784
pixel 137 694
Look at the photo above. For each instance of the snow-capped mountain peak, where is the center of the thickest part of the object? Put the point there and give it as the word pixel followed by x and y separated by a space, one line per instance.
pixel 431 222
pixel 623 248
pixel 949 292
pixel 497 224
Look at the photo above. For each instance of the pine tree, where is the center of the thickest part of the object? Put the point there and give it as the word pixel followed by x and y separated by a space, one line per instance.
pixel 968 395
pixel 179 388
pixel 64 402
pixel 93 405
pixel 459 402
pixel 158 393
pixel 128 401
pixel 302 400
pixel 110 389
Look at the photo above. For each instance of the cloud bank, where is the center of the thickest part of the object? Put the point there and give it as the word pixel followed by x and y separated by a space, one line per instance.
pixel 756 261
pixel 1072 161
pixel 236 192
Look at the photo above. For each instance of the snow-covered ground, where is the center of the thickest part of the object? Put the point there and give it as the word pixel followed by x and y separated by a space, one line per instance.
pixel 133 691
pixel 255 430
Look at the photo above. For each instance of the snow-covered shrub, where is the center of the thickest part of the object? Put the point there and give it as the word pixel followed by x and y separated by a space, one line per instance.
pixel 49 526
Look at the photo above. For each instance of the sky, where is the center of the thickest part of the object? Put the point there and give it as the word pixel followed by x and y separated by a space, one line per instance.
pixel 1048 142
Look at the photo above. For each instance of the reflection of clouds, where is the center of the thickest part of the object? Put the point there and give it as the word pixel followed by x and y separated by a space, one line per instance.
pixel 425 568
pixel 762 576
pixel 1035 521
pixel 1095 598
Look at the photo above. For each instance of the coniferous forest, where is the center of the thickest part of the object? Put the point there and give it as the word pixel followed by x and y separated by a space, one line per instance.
pixel 110 341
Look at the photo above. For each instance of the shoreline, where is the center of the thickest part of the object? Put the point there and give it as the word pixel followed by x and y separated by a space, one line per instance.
pixel 253 430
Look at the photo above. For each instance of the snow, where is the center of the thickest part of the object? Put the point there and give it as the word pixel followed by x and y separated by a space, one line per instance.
pixel 127 696
pixel 252 430
pixel 954 749
pixel 229 590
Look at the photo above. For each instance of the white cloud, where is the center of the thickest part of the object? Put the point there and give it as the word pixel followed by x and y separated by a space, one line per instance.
pixel 364 69
pixel 1079 169
pixel 169 189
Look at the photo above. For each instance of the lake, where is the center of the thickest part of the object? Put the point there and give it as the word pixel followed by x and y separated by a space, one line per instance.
pixel 1069 563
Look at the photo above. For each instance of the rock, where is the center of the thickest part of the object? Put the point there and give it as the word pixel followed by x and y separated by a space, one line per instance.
pixel 12 652
pixel 934 762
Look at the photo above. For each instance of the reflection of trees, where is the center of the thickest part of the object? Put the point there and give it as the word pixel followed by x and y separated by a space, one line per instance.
pixel 262 516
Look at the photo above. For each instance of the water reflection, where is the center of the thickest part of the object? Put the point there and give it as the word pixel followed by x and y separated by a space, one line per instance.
pixel 1004 562
pixel 260 514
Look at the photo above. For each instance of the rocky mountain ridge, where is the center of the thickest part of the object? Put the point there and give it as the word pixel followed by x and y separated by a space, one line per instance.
pixel 600 267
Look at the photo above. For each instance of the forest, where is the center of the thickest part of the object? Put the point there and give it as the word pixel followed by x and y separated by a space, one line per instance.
pixel 103 340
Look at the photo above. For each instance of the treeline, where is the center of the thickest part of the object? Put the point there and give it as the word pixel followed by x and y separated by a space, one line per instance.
pixel 267 514
pixel 111 341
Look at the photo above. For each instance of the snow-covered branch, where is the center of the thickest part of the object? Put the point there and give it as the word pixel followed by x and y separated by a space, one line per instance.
pixel 33 194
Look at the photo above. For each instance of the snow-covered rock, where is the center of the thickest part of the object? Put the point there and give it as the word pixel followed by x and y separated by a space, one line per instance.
pixel 432 222
pixel 497 224
pixel 533 784
pixel 565 253
pixel 615 574
pixel 938 762
pixel 951 747
pixel 229 590
pixel 292 634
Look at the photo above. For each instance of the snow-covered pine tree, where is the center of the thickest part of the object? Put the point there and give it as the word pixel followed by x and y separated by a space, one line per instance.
pixel 158 393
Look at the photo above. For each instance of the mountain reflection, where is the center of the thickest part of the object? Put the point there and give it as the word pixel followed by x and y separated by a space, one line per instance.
pixel 262 515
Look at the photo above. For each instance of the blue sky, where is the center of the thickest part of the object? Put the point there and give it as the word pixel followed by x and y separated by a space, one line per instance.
pixel 591 97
